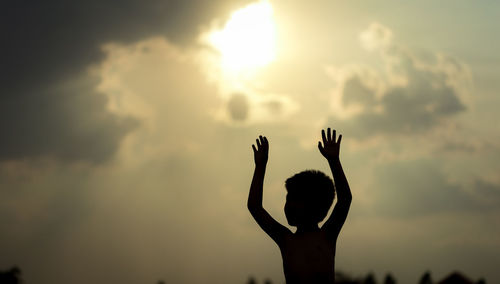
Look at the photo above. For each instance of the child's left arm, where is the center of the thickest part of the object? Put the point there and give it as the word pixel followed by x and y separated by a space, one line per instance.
pixel 331 151
pixel 274 229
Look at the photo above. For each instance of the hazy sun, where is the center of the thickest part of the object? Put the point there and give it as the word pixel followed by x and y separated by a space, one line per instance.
pixel 248 40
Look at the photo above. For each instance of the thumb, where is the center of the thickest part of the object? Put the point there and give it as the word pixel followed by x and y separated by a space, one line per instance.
pixel 320 147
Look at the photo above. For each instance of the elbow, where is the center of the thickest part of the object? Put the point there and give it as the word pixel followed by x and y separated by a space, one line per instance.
pixel 253 207
pixel 347 199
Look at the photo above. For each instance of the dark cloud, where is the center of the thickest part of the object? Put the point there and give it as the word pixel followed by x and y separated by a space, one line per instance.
pixel 238 107
pixel 53 40
pixel 275 107
pixel 403 112
pixel 49 44
pixel 488 193
pixel 415 96
pixel 417 188
pixel 420 105
pixel 355 91
pixel 71 124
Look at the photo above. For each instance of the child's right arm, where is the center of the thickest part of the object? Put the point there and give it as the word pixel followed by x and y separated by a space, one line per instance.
pixel 330 149
pixel 274 229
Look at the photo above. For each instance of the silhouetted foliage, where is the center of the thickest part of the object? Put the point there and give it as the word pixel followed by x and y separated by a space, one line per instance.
pixel 268 281
pixel 389 279
pixel 426 278
pixel 11 276
pixel 343 278
pixel 251 280
pixel 370 279
pixel 456 278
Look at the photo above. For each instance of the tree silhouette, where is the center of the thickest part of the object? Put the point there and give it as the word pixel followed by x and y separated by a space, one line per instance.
pixel 389 279
pixel 251 280
pixel 370 279
pixel 426 278
pixel 11 276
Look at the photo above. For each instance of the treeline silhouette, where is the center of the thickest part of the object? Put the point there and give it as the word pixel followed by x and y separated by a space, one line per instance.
pixel 13 276
pixel 343 278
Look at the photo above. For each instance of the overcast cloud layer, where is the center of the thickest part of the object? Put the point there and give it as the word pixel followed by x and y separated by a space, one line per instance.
pixel 49 105
pixel 125 156
pixel 409 97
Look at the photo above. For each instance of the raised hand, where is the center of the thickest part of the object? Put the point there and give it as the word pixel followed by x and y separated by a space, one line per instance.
pixel 330 149
pixel 261 152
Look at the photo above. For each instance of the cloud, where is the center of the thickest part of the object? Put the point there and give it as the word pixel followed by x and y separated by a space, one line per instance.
pixel 238 106
pixel 179 167
pixel 420 188
pixel 68 123
pixel 376 36
pixel 255 107
pixel 47 49
pixel 410 96
pixel 487 193
pixel 263 107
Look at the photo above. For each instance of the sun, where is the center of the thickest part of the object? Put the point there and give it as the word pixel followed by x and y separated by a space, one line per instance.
pixel 248 39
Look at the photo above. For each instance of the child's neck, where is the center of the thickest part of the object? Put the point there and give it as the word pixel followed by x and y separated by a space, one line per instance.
pixel 306 228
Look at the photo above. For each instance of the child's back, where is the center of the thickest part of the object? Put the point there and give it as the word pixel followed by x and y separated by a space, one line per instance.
pixel 308 258
pixel 309 254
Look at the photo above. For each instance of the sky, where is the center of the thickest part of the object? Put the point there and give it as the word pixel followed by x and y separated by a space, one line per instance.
pixel 126 132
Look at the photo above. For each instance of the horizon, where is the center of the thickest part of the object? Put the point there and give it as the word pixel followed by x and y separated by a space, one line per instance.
pixel 126 156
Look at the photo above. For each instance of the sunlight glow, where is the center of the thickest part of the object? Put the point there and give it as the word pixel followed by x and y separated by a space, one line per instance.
pixel 248 40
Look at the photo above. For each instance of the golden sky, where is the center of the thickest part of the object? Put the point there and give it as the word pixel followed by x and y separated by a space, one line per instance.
pixel 126 131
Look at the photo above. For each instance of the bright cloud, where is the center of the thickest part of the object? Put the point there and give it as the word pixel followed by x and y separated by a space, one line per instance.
pixel 409 96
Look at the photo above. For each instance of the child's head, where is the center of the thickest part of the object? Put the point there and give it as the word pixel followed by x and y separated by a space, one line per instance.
pixel 310 195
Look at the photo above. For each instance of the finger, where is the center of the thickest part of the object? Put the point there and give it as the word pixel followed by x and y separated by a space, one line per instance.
pixel 254 150
pixel 340 139
pixel 329 134
pixel 334 135
pixel 266 142
pixel 323 136
pixel 258 143
pixel 261 138
pixel 321 148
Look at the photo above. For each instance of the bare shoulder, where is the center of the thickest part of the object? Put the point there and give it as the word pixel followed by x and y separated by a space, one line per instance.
pixel 310 241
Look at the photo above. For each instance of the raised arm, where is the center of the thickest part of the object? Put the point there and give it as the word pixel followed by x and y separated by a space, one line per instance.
pixel 274 229
pixel 330 149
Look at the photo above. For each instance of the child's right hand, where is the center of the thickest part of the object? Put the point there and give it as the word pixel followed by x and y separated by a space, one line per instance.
pixel 261 152
pixel 331 146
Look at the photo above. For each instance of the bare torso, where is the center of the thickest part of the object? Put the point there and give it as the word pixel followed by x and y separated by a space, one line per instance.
pixel 308 257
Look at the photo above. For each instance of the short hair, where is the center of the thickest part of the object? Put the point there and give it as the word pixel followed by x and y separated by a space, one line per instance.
pixel 315 189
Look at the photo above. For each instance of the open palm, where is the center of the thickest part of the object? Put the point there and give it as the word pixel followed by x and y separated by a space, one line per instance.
pixel 330 149
pixel 261 152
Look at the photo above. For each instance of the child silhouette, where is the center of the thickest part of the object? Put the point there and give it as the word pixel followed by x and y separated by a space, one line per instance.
pixel 309 253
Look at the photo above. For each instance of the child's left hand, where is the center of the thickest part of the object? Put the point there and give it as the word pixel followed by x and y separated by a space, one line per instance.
pixel 261 152
pixel 330 148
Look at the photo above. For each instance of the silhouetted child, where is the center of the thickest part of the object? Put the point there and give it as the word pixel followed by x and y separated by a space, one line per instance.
pixel 309 253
